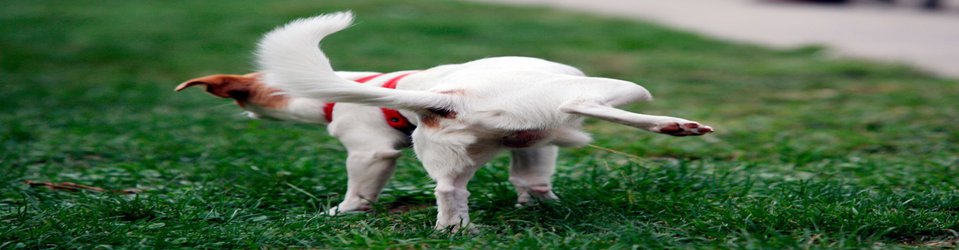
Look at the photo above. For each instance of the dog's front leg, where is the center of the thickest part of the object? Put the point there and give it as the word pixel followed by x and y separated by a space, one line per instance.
pixel 368 171
pixel 531 172
pixel 371 159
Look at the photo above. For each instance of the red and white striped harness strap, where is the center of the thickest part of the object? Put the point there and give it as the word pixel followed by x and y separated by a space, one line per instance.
pixel 393 117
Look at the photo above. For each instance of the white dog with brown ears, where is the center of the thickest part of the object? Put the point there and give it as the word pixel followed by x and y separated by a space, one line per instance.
pixel 465 114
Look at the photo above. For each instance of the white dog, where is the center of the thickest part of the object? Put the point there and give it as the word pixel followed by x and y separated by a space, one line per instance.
pixel 465 113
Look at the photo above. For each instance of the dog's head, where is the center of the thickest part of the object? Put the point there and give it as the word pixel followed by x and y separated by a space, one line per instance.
pixel 259 100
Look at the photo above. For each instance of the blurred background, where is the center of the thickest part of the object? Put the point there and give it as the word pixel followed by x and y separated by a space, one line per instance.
pixel 816 147
pixel 924 33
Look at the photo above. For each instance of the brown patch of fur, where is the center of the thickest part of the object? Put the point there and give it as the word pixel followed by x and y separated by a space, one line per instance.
pixel 430 121
pixel 445 113
pixel 265 96
pixel 242 88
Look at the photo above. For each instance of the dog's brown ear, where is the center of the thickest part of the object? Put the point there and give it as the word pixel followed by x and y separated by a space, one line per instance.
pixel 225 86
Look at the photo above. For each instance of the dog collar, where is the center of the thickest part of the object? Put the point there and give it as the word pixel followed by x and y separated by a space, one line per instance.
pixel 393 117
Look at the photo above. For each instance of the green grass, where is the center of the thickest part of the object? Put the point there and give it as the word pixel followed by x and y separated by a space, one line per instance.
pixel 811 151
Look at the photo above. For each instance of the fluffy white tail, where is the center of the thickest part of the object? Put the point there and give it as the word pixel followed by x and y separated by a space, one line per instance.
pixel 290 60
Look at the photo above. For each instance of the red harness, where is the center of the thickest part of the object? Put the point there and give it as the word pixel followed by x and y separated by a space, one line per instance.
pixel 393 117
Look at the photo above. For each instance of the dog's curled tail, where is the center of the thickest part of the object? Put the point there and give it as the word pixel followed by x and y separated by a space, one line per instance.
pixel 291 61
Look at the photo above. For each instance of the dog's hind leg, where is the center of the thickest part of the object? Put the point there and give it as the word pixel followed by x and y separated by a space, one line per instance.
pixel 451 159
pixel 659 124
pixel 531 172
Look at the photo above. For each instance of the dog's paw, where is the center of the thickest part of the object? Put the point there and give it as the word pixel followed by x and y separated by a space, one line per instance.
pixel 340 210
pixel 682 128
pixel 468 229
pixel 536 194
pixel 534 202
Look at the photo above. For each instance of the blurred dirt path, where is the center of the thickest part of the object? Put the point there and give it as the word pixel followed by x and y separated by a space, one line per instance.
pixel 929 40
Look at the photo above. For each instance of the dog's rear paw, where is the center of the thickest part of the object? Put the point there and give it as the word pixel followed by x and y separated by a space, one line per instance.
pixel 536 194
pixel 683 128
pixel 468 229
pixel 344 210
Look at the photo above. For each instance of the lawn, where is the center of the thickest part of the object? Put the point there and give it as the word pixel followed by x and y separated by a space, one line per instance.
pixel 811 151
